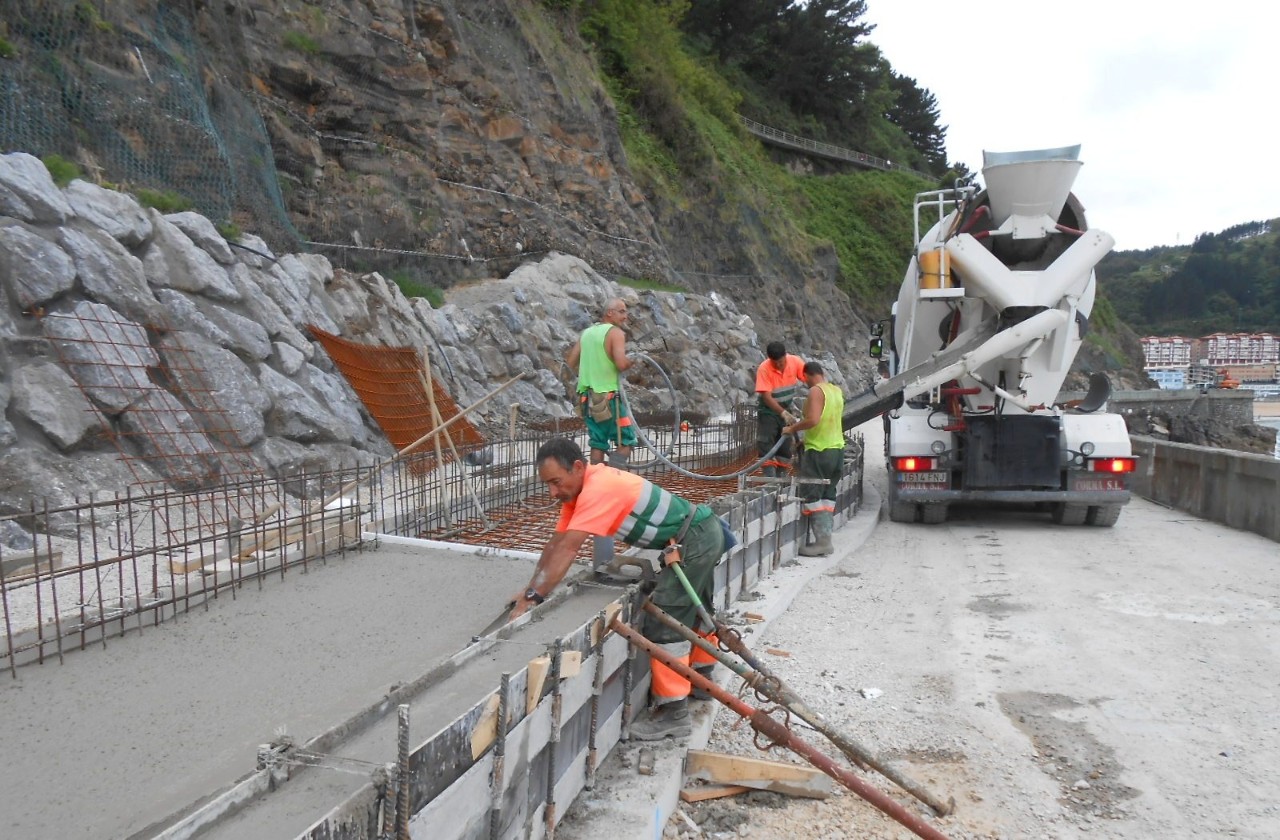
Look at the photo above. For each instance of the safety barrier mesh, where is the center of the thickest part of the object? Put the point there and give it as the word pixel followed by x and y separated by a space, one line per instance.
pixel 137 101
pixel 390 381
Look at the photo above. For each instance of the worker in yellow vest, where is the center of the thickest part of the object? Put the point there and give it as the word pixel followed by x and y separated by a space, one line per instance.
pixel 599 355
pixel 823 457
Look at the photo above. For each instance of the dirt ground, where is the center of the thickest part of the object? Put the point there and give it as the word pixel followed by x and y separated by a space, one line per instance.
pixel 1058 682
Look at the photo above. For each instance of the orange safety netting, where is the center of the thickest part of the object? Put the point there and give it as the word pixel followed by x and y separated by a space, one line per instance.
pixel 390 383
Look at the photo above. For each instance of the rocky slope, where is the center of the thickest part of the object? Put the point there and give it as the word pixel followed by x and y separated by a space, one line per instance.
pixel 141 347
pixel 438 142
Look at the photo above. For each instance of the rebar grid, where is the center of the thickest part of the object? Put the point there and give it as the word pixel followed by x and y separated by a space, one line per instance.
pixel 108 565
pixel 190 443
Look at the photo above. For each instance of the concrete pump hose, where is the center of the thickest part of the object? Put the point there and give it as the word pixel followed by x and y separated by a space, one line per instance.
pixel 659 457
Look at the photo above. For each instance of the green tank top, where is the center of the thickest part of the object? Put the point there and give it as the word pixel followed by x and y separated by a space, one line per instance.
pixel 829 433
pixel 596 371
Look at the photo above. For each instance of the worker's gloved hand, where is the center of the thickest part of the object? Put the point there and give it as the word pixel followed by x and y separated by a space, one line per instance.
pixel 789 418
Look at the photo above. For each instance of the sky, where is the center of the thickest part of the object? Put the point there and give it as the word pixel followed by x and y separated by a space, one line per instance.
pixel 1176 105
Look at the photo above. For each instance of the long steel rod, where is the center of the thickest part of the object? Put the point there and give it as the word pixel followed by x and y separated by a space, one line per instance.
pixel 780 735
pixel 762 679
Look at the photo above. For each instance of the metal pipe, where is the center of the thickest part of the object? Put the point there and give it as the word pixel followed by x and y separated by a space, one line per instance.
pixel 402 773
pixel 779 735
pixel 764 681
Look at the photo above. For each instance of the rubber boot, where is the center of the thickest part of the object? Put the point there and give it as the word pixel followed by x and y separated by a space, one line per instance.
pixel 707 671
pixel 618 460
pixel 670 720
pixel 769 471
pixel 821 523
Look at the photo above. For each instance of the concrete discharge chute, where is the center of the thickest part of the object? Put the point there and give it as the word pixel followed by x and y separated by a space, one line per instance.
pixel 992 311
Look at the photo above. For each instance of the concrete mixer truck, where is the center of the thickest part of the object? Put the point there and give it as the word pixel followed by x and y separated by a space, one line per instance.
pixel 991 313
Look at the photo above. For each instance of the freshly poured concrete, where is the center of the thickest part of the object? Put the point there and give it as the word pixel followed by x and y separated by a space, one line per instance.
pixel 114 740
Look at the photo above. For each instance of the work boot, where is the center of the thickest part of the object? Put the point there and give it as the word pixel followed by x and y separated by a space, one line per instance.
pixel 821 523
pixel 619 460
pixel 769 472
pixel 706 671
pixel 668 720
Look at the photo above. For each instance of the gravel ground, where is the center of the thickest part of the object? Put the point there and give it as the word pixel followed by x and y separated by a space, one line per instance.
pixel 1057 682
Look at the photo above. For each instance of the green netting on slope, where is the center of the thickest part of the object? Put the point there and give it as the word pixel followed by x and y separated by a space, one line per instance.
pixel 133 101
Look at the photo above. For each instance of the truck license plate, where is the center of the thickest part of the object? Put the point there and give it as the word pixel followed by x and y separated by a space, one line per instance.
pixel 931 478
pixel 1098 484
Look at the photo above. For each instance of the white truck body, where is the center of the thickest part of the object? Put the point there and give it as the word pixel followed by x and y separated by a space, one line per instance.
pixel 991 313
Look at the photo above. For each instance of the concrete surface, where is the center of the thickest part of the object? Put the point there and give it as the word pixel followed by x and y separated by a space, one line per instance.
pixel 1060 682
pixel 112 741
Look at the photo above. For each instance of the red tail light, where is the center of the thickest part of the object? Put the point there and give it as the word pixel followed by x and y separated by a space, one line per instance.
pixel 913 464
pixel 1113 465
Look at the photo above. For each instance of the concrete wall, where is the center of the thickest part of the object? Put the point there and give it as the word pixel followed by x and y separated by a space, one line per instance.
pixel 1222 405
pixel 1238 489
pixel 1232 407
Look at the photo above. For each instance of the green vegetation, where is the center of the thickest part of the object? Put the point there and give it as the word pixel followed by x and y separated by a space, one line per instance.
pixel 678 92
pixel 1222 282
pixel 647 285
pixel 301 42
pixel 87 14
pixel 414 287
pixel 7 49
pixel 229 231
pixel 165 201
pixel 60 169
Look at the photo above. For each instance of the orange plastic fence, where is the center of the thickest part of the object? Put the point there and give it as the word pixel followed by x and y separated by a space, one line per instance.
pixel 388 381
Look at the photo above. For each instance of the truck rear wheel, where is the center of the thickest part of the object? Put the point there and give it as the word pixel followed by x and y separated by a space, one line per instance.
pixel 902 511
pixel 1066 513
pixel 1104 516
pixel 933 514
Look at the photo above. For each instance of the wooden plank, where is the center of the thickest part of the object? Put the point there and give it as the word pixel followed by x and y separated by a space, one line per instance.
pixel 24 564
pixel 538 669
pixel 570 663
pixel 698 794
pixel 758 773
pixel 486 729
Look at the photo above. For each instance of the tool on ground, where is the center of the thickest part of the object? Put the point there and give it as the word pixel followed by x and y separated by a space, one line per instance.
pixel 777 734
pixel 768 685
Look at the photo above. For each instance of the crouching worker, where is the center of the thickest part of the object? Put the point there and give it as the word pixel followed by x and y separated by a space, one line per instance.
pixel 598 500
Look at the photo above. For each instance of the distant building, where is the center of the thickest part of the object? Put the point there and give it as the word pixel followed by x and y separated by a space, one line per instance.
pixel 1174 362
pixel 1166 351
pixel 1169 379
pixel 1222 349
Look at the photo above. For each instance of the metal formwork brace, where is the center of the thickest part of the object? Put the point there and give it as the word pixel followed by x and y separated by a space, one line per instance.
pixel 553 742
pixel 777 733
pixel 597 688
pixel 499 759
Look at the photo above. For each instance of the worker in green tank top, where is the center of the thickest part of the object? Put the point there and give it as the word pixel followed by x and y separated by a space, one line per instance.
pixel 823 457
pixel 599 355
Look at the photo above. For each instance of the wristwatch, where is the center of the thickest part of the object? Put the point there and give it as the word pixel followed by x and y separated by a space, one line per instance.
pixel 534 595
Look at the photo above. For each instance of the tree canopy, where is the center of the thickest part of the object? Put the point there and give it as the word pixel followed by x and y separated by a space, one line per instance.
pixel 815 59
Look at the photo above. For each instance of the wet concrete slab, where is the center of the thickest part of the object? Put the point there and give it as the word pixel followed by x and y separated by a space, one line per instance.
pixel 113 741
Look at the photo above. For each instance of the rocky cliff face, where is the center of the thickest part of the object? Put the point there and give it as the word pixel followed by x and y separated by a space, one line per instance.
pixel 437 142
pixel 143 349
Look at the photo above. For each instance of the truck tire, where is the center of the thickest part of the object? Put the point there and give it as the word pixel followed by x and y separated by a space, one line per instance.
pixel 902 511
pixel 933 514
pixel 1066 513
pixel 1104 516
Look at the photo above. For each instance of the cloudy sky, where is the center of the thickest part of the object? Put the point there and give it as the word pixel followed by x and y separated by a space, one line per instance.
pixel 1176 105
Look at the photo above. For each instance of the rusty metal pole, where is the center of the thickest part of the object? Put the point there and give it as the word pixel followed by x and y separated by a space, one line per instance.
pixel 402 773
pixel 760 678
pixel 778 734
